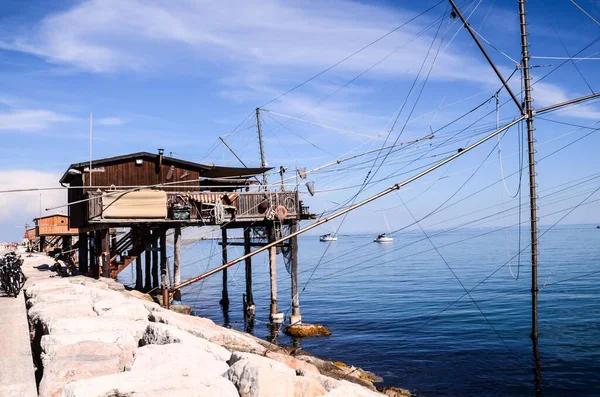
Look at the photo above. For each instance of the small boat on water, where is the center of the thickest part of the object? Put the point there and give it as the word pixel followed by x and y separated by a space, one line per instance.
pixel 382 238
pixel 328 237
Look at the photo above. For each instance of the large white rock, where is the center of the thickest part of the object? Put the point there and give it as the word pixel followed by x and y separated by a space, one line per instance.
pixel 183 357
pixel 83 348
pixel 206 329
pixel 61 371
pixel 122 308
pixel 124 340
pixel 48 312
pixel 153 383
pixel 86 325
pixel 257 376
pixel 162 334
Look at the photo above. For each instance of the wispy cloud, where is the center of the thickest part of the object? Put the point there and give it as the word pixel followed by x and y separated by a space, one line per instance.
pixel 27 204
pixel 30 119
pixel 111 121
pixel 117 35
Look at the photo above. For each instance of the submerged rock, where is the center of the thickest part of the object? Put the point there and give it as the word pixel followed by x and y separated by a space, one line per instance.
pixel 304 330
pixel 393 391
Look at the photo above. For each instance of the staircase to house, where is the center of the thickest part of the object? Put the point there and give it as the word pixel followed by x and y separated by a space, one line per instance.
pixel 123 254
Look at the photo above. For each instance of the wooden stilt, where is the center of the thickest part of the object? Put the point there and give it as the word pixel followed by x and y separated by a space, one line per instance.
pixel 224 293
pixel 83 253
pixel 42 243
pixel 154 259
pixel 162 234
pixel 148 259
pixel 67 242
pixel 92 271
pixel 249 303
pixel 104 253
pixel 97 253
pixel 177 261
pixel 295 318
pixel 137 249
pixel 274 316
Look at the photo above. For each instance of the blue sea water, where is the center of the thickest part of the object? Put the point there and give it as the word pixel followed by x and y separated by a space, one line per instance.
pixel 400 310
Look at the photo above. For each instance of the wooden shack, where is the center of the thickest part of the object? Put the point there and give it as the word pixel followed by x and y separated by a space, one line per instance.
pixel 147 194
pixel 53 231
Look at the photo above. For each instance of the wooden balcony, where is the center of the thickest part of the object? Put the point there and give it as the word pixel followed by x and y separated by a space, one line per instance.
pixel 204 208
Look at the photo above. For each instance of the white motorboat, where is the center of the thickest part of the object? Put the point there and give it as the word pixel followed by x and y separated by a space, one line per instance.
pixel 382 238
pixel 328 237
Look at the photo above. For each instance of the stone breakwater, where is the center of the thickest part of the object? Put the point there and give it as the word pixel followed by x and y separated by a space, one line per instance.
pixel 92 338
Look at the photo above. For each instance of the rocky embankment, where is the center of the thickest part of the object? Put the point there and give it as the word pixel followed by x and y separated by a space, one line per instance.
pixel 93 338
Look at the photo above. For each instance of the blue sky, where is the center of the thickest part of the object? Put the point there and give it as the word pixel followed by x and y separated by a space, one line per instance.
pixel 180 74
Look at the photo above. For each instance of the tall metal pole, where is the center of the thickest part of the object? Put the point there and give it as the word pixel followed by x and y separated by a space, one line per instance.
pixel 263 162
pixel 528 110
pixel 91 143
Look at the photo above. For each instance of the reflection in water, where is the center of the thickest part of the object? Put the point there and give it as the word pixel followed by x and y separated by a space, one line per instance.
pixel 538 366
pixel 225 309
pixel 273 333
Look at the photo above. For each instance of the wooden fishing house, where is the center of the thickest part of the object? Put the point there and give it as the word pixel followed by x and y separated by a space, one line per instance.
pixel 144 195
pixel 52 231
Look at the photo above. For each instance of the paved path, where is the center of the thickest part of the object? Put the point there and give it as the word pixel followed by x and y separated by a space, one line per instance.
pixel 17 376
pixel 17 373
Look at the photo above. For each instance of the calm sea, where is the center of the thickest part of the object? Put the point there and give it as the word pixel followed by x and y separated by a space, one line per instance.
pixel 398 310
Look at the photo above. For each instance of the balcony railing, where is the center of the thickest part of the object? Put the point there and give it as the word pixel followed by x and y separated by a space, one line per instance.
pixel 213 207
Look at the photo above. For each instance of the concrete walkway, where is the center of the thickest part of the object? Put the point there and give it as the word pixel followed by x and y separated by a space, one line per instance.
pixel 17 376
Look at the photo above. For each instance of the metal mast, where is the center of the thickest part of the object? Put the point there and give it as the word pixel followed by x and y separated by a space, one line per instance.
pixel 263 162
pixel 528 111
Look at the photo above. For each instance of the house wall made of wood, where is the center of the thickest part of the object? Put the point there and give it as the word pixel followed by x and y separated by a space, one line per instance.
pixel 55 225
pixel 128 173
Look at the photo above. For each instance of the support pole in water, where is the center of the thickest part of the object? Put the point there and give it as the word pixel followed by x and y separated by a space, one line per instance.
pixel 249 307
pixel 137 249
pixel 177 261
pixel 295 318
pixel 224 293
pixel 275 317
pixel 162 235
pixel 532 195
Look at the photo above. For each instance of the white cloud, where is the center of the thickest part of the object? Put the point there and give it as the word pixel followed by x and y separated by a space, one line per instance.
pixel 113 121
pixel 546 94
pixel 24 206
pixel 30 119
pixel 116 35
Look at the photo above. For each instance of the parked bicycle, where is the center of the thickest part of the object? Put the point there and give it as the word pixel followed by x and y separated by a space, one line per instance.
pixel 11 275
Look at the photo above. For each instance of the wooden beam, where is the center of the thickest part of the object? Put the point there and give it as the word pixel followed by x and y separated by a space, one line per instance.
pixel 83 253
pixel 154 242
pixel 162 233
pixel 295 318
pixel 224 292
pixel 148 263
pixel 249 302
pixel 104 254
pixel 177 261
pixel 274 316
